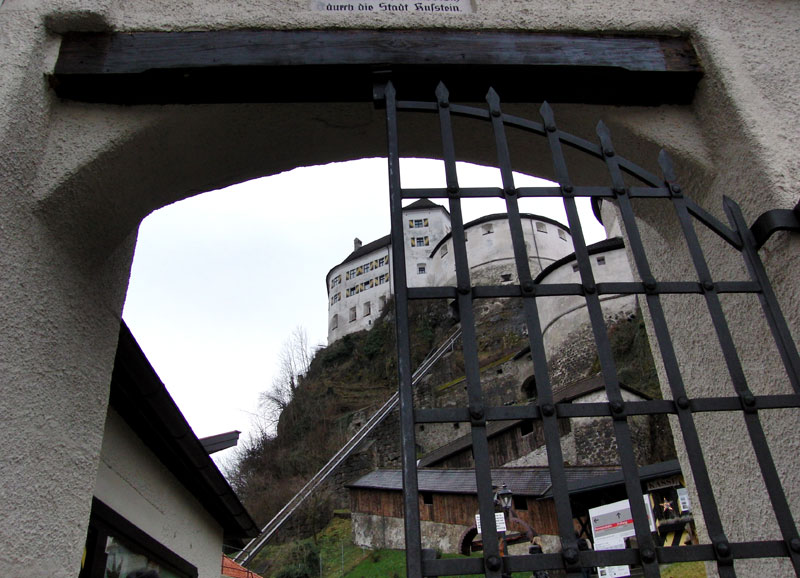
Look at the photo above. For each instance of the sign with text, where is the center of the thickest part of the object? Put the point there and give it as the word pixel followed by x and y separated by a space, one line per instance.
pixel 401 6
pixel 611 524
pixel 499 520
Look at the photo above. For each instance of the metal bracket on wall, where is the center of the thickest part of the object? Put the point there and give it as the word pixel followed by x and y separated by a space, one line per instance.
pixel 775 220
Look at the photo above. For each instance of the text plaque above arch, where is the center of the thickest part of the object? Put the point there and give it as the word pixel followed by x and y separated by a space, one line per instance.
pixel 340 66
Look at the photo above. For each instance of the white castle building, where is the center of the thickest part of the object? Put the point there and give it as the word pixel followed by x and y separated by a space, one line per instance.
pixel 359 286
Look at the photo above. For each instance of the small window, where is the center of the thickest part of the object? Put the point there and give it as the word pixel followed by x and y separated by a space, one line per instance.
pixel 574 267
pixel 421 269
pixel 541 227
pixel 352 314
pixel 421 241
pixel 562 235
pixel 505 277
pixel 444 251
pixel 427 498
pixel 520 503
pixel 488 229
pixel 335 321
pixel 367 308
pixel 601 260
pixel 526 427
pixel 382 301
pixel 418 223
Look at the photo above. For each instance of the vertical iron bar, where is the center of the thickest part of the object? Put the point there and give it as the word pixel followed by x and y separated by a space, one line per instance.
pixel 408 443
pixel 675 380
pixel 480 445
pixel 769 302
pixel 763 455
pixel 633 485
pixel 549 418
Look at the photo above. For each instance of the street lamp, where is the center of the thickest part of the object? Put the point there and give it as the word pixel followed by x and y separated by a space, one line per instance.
pixel 504 496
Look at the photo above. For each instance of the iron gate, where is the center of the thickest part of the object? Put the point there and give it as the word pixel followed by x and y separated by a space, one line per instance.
pixel 648 288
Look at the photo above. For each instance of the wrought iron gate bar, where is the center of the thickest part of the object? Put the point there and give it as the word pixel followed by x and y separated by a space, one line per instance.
pixel 545 410
pixel 480 443
pixel 769 303
pixel 633 485
pixel 675 380
pixel 769 472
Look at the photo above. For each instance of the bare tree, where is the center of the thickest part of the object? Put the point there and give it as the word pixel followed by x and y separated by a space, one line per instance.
pixel 293 362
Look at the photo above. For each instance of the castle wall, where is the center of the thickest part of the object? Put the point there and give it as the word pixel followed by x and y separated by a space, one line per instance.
pixel 77 179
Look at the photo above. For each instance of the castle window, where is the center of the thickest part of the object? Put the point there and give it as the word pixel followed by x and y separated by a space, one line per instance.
pixel 505 277
pixel 541 227
pixel 352 314
pixel 382 301
pixel 418 223
pixel 367 308
pixel 488 229
pixel 444 251
pixel 421 269
pixel 562 235
pixel 574 267
pixel 335 321
pixel 529 388
pixel 601 260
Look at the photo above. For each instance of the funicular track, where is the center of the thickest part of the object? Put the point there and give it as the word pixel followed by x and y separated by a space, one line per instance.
pixel 268 531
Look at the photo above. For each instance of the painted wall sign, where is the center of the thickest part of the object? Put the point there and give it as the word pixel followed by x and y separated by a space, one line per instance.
pixel 403 6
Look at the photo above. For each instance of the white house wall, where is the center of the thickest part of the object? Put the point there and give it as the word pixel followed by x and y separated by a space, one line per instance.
pixel 135 484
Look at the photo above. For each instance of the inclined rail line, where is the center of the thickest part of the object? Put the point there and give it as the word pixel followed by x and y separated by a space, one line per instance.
pixel 256 544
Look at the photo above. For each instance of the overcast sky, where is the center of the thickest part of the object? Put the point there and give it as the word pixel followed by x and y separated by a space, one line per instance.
pixel 220 280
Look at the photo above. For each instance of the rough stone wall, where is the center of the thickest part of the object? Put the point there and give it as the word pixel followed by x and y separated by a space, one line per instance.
pixel 374 532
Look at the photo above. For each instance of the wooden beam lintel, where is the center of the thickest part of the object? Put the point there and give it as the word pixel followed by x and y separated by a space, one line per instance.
pixel 341 65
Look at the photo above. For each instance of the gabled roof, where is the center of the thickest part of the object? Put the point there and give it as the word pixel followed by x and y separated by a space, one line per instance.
pixel 529 481
pixel 360 252
pixel 424 204
pixel 140 397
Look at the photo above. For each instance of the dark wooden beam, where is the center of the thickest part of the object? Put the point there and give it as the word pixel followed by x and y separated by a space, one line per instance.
pixel 341 66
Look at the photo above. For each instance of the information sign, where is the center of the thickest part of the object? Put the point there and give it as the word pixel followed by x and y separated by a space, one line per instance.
pixel 499 520
pixel 611 524
pixel 399 6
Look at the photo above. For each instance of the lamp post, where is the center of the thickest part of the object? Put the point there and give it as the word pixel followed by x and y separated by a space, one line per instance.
pixel 504 498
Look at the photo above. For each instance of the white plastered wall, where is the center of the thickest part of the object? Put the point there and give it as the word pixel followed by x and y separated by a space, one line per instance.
pixel 76 179
pixel 132 482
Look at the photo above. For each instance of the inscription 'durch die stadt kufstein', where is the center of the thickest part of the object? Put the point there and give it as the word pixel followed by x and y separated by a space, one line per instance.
pixel 376 6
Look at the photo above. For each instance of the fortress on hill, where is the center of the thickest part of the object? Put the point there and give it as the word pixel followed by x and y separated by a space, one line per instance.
pixel 358 289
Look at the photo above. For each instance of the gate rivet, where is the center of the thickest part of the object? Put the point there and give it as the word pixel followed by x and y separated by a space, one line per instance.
pixel 723 549
pixel 683 402
pixel 609 153
pixel 648 555
pixel 676 189
pixel 493 563
pixel 708 285
pixel 650 285
pixel 548 409
pixel 619 190
pixel 794 544
pixel 551 128
pixel 571 556
pixel 476 413
pixel 749 399
pixel 617 407
pixel 510 192
pixel 443 104
pixel 452 191
pixel 528 287
pixel 463 290
pixel 496 112
pixel 568 188
pixel 590 289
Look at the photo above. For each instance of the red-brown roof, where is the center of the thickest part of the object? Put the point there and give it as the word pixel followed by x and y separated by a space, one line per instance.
pixel 234 570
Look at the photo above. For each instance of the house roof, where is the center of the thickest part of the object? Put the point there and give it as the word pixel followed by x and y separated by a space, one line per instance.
pixel 360 252
pixel 140 397
pixel 498 217
pixel 599 247
pixel 233 570
pixel 566 394
pixel 423 204
pixel 530 481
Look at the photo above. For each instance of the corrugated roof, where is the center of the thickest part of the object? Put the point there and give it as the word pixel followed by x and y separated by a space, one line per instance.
pixel 532 481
